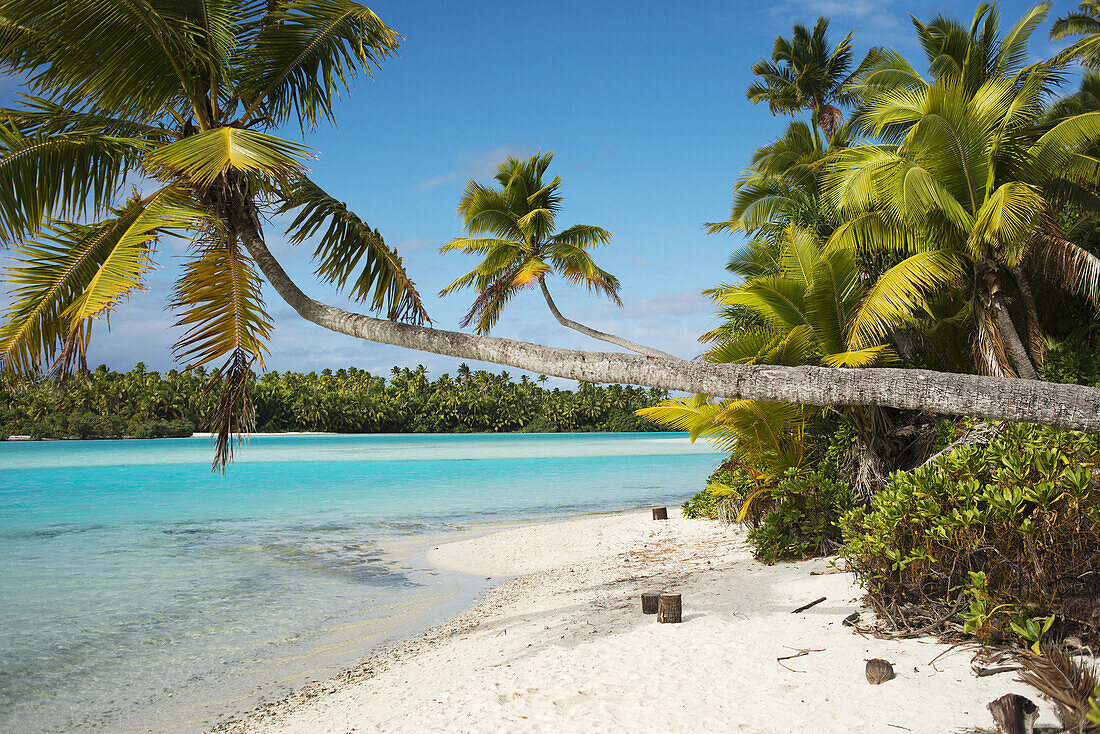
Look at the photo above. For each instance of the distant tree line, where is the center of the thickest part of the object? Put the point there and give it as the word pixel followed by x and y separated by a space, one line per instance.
pixel 145 404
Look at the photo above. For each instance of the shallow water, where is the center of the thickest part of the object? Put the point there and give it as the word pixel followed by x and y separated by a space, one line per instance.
pixel 140 592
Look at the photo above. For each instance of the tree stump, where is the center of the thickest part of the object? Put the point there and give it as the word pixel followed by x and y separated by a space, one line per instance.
pixel 649 602
pixel 1014 714
pixel 669 608
pixel 660 513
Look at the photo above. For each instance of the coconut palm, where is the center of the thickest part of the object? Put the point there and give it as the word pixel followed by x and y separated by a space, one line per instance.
pixel 805 74
pixel 182 97
pixel 522 248
pixel 964 186
pixel 176 98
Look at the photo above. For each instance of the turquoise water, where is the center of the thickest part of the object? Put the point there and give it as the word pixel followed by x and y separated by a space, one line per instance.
pixel 142 593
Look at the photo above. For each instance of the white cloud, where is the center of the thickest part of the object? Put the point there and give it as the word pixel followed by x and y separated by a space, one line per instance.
pixel 476 165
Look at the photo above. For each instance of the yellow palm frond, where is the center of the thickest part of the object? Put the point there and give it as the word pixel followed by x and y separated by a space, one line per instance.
pixel 901 290
pixel 202 158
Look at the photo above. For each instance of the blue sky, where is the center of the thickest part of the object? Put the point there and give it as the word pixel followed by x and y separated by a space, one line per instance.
pixel 643 104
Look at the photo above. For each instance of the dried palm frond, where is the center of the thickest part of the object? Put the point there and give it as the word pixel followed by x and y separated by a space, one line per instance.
pixel 1064 681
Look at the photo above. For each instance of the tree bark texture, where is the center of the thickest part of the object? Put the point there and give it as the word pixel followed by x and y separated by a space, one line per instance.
pixel 669 609
pixel 1016 349
pixel 1031 316
pixel 1063 406
pixel 596 334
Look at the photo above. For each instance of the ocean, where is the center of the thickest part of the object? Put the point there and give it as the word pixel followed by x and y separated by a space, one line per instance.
pixel 141 592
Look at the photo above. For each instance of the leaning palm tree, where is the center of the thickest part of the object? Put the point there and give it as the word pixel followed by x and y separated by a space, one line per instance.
pixel 182 96
pixel 176 98
pixel 513 225
pixel 805 74
pixel 964 185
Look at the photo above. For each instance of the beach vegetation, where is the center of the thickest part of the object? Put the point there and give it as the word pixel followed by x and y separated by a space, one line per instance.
pixel 1001 537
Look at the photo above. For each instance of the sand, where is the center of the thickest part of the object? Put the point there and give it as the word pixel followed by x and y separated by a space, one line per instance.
pixel 564 647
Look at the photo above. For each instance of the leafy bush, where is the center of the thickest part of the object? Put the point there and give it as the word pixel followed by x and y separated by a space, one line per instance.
pixel 802 519
pixel 1002 534
pixel 793 519
pixel 1075 361
pixel 541 424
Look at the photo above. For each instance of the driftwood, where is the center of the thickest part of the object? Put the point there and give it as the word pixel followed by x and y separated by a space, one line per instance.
pixel 649 602
pixel 798 654
pixel 1014 714
pixel 804 607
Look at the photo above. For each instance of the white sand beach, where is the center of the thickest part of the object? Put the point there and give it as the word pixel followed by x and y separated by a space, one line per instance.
pixel 564 647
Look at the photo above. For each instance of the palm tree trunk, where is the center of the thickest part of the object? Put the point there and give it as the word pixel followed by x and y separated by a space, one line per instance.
pixel 596 334
pixel 1016 348
pixel 1031 316
pixel 987 273
pixel 1072 407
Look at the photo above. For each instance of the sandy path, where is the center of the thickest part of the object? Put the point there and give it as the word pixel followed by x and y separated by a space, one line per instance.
pixel 565 648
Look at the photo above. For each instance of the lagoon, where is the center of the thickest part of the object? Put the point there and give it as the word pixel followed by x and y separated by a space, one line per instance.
pixel 140 591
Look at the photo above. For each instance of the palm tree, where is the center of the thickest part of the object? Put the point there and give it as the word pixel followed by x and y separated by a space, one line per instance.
pixel 521 247
pixel 964 185
pixel 804 74
pixel 179 94
pixel 185 93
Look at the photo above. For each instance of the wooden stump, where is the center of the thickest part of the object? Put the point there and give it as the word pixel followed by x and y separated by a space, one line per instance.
pixel 669 608
pixel 1014 714
pixel 649 602
pixel 660 513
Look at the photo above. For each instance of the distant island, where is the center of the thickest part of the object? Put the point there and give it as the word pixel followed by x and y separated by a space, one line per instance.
pixel 146 404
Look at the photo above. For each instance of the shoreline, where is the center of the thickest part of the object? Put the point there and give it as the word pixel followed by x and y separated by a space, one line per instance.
pixel 559 644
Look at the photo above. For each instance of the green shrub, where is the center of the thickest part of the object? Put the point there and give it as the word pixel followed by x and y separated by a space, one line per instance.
pixel 541 424
pixel 802 518
pixel 1074 361
pixel 1005 533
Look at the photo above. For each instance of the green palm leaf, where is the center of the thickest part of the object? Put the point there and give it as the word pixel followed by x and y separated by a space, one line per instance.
pixel 901 290
pixel 304 54
pixel 349 250
pixel 77 273
pixel 60 175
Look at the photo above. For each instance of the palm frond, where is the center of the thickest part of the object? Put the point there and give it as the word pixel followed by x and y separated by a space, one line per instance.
pixel 202 158
pixel 899 292
pixel 220 304
pixel 59 176
pixel 305 54
pixel 349 250
pixel 78 273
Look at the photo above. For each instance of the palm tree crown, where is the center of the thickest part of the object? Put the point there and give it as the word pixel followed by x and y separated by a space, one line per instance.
pixel 513 226
pixel 805 74
pixel 178 98
pixel 963 185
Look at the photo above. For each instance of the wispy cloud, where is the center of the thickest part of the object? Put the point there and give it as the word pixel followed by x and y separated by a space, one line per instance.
pixel 477 164
pixel 876 22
